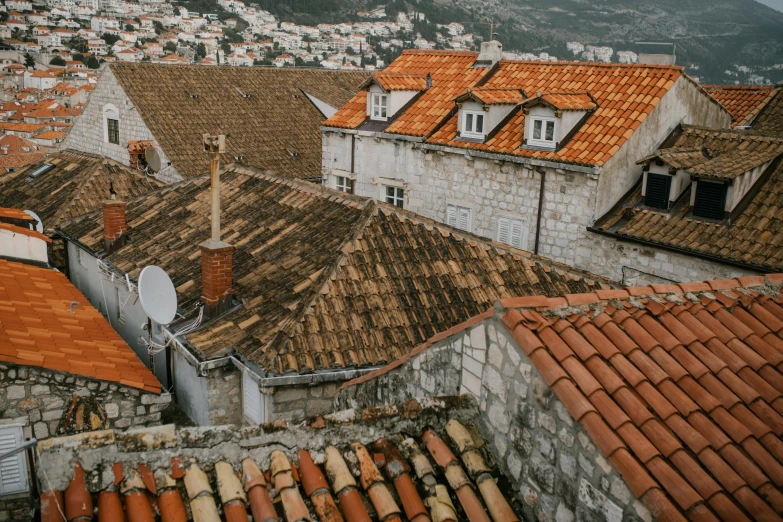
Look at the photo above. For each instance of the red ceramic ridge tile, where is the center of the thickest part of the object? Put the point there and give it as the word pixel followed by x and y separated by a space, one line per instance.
pixel 572 399
pixel 635 476
pixel 673 483
pixel 601 434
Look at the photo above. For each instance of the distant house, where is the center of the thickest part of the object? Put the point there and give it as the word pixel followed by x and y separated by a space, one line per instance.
pixel 293 104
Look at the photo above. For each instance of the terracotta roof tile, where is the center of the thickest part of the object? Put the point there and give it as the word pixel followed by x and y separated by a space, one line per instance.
pixel 743 102
pixel 692 418
pixel 86 344
pixel 338 299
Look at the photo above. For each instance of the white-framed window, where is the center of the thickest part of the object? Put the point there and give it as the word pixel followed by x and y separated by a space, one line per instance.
pixel 394 195
pixel 343 184
pixel 83 257
pixel 542 132
pixel 13 470
pixel 252 399
pixel 111 124
pixel 378 106
pixel 458 217
pixel 472 124
pixel 513 232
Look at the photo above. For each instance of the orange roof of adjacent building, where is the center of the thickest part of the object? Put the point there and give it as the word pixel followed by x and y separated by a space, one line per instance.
pixel 625 95
pixel 401 82
pixel 744 102
pixel 38 329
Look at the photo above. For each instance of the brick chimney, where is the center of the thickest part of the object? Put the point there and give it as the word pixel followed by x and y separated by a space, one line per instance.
pixel 115 226
pixel 491 53
pixel 216 276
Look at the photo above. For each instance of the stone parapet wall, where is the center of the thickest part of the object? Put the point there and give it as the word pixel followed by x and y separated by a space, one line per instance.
pixel 48 403
pixel 556 470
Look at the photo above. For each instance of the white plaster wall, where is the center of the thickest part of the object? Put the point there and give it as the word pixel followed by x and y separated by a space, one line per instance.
pixel 87 134
pixel 683 103
pixel 102 294
pixel 741 185
pixel 191 389
pixel 21 246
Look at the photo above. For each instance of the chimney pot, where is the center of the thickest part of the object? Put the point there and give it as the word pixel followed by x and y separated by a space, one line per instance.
pixel 115 225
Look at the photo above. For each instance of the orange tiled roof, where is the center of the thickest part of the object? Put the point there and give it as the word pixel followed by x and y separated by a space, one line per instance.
pixel 680 387
pixel 744 102
pixel 24 231
pixel 15 213
pixel 625 94
pixel 451 73
pixel 493 96
pixel 37 329
pixel 569 101
pixel 401 82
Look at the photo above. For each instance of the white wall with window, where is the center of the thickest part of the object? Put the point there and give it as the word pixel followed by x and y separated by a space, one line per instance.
pixel 513 232
pixel 343 184
pixel 459 217
pixel 472 124
pixel 542 132
pixel 111 124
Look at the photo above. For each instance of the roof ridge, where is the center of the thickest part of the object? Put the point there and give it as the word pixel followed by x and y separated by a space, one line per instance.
pixel 596 64
pixel 731 132
pixel 569 300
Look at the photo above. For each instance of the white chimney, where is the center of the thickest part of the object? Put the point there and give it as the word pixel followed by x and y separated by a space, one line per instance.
pixel 491 53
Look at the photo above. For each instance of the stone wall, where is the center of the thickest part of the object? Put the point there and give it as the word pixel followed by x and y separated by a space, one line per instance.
pixel 556 471
pixel 490 188
pixel 16 507
pixel 87 134
pixel 608 256
pixel 224 396
pixel 51 403
pixel 294 403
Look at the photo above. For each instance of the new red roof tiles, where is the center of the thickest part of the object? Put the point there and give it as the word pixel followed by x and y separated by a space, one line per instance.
pixel 40 326
pixel 680 386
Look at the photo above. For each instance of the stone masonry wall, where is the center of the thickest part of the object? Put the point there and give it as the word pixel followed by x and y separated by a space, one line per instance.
pixel 556 470
pixel 608 256
pixel 18 507
pixel 87 134
pixel 294 403
pixel 46 403
pixel 491 189
pixel 224 389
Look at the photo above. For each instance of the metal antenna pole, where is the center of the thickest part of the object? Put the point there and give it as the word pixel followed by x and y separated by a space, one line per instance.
pixel 215 145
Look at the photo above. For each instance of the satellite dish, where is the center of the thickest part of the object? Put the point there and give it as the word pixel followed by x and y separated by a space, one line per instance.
pixel 39 221
pixel 157 295
pixel 152 157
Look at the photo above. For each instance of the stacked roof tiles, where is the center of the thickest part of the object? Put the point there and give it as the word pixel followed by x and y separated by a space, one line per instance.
pixel 751 239
pixel 421 474
pixel 45 321
pixel 621 96
pixel 680 387
pixel 744 102
pixel 328 280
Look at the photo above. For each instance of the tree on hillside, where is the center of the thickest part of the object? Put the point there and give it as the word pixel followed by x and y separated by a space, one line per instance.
pixel 201 50
pixel 109 38
pixel 58 60
pixel 170 47
pixel 93 62
pixel 129 28
pixel 29 61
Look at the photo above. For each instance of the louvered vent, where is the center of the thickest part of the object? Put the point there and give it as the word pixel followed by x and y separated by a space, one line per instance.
pixel 658 189
pixel 13 470
pixel 710 200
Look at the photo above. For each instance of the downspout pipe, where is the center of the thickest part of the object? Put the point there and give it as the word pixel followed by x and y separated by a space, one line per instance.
pixel 542 175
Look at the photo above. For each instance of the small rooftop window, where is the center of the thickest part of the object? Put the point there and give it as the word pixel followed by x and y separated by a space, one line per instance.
pixel 43 169
pixel 710 200
pixel 657 190
pixel 378 106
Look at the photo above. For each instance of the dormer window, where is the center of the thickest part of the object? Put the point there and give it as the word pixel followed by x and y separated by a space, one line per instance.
pixel 657 191
pixel 378 106
pixel 710 199
pixel 472 125
pixel 543 132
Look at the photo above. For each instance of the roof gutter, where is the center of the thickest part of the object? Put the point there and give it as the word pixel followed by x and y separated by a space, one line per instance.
pixel 700 255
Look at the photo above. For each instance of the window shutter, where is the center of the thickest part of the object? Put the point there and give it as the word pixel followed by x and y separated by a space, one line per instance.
pixel 252 401
pixel 463 221
pixel 710 200
pixel 13 470
pixel 517 232
pixel 658 189
pixel 451 215
pixel 504 232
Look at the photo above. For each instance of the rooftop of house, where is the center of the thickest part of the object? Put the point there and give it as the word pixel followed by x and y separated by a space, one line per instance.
pixel 744 102
pixel 266 111
pixel 679 386
pixel 75 184
pixel 327 280
pixel 377 464
pixel 769 120
pixel 41 326
pixel 750 239
pixel 624 95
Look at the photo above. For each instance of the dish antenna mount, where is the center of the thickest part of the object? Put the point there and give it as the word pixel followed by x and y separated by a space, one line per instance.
pixel 152 157
pixel 157 295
